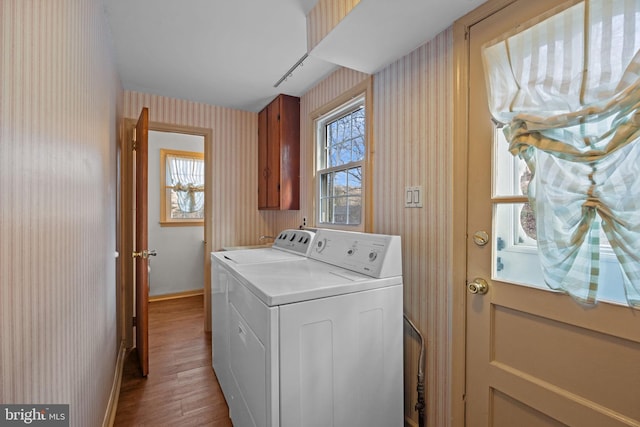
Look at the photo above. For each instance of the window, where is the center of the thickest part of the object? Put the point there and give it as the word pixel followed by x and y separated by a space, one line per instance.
pixel 340 165
pixel 182 187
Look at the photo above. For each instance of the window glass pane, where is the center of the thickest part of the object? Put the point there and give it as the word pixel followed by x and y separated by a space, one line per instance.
pixel 186 206
pixel 326 183
pixel 512 175
pixel 516 259
pixel 357 148
pixel 184 170
pixel 355 181
pixel 340 183
pixel 184 186
pixel 345 139
pixel 341 200
pixel 355 210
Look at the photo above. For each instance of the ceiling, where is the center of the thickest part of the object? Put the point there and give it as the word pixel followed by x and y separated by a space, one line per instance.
pixel 231 53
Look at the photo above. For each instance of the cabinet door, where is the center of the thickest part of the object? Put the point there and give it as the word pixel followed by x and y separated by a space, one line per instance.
pixel 279 154
pixel 263 168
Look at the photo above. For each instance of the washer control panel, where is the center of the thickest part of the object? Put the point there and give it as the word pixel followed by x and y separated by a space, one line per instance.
pixel 375 255
pixel 295 241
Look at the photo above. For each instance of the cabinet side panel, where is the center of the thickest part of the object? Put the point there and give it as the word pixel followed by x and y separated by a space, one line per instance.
pixel 262 159
pixel 290 146
pixel 273 154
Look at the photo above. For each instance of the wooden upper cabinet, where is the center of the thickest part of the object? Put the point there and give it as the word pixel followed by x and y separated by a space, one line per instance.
pixel 279 154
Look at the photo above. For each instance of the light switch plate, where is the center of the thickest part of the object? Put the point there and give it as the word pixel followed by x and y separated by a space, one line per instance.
pixel 413 196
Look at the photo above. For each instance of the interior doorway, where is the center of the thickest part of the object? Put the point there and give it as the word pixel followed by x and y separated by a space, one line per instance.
pixel 126 219
pixel 176 216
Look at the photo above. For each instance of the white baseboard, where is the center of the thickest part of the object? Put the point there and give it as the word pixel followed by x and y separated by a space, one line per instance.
pixel 112 405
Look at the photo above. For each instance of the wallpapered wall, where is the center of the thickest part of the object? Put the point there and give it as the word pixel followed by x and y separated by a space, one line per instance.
pixel 412 129
pixel 234 206
pixel 324 17
pixel 413 136
pixel 59 101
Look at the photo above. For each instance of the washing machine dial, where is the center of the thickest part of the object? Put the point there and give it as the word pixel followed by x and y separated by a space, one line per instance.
pixel 321 245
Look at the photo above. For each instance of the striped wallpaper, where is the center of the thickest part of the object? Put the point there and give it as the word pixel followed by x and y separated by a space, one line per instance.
pixel 413 119
pixel 324 17
pixel 59 99
pixel 412 132
pixel 234 196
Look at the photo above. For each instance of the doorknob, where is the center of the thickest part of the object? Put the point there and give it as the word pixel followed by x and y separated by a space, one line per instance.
pixel 478 286
pixel 144 254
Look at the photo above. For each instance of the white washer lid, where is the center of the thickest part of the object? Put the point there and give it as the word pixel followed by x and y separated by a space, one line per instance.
pixel 256 256
pixel 304 279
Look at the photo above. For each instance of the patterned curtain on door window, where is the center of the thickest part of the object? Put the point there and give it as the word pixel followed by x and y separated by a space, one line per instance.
pixel 187 180
pixel 566 89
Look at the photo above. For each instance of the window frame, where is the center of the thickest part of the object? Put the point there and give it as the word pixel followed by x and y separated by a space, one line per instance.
pixel 165 193
pixel 357 97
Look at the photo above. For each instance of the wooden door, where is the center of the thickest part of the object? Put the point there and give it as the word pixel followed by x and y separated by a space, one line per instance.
pixel 533 357
pixel 141 241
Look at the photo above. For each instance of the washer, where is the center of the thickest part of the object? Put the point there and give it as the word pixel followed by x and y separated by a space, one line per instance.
pixel 317 341
pixel 289 245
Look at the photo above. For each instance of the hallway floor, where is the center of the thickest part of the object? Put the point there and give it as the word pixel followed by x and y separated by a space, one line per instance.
pixel 181 388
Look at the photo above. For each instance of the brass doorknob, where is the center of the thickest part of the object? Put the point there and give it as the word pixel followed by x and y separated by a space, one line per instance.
pixel 478 286
pixel 144 254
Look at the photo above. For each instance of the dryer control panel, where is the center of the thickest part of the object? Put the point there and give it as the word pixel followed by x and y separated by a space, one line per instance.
pixel 375 255
pixel 295 241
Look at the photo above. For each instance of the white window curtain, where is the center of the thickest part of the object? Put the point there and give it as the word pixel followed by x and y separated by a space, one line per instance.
pixel 566 89
pixel 186 176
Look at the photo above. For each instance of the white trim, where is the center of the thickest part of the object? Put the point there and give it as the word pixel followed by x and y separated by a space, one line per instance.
pixel 319 132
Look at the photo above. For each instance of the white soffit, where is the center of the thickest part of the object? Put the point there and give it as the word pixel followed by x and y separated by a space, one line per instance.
pixel 378 32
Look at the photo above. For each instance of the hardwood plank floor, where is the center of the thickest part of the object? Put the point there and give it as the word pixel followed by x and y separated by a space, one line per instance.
pixel 181 388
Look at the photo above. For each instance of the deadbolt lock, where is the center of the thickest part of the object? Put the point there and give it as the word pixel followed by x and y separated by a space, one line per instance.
pixel 481 238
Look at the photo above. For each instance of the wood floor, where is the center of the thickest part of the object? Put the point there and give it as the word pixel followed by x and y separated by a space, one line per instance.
pixel 181 388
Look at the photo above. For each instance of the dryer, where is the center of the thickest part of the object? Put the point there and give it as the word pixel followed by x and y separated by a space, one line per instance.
pixel 317 341
pixel 290 244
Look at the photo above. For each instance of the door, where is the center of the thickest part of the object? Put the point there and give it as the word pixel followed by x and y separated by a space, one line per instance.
pixel 141 253
pixel 533 357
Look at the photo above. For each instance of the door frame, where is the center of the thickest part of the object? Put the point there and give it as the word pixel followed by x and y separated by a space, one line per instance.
pixel 459 197
pixel 126 219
